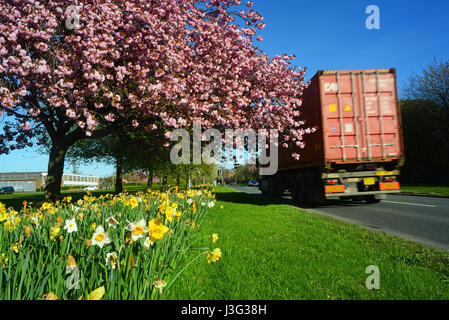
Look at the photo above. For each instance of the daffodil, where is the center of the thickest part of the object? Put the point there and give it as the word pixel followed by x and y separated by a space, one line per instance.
pixel 97 294
pixel 214 256
pixel 3 260
pixel 148 242
pixel 54 231
pixel 138 229
pixel 214 237
pixel 112 222
pixel 46 206
pixel 159 284
pixel 71 263
pixel 100 237
pixel 36 218
pixel 12 222
pixel 15 247
pixel 70 226
pixel 156 230
pixel 133 202
pixel 211 204
pixel 111 260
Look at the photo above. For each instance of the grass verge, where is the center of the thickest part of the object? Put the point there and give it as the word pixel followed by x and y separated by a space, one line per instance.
pixel 274 251
pixel 432 190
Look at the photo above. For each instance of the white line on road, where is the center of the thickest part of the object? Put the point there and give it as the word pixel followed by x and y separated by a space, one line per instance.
pixel 411 204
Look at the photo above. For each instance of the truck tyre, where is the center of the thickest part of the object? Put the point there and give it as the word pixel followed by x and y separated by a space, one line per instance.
pixel 299 192
pixel 371 199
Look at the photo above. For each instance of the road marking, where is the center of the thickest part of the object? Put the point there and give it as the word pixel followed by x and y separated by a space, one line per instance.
pixel 411 204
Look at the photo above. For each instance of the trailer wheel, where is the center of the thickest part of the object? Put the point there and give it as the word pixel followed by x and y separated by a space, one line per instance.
pixel 299 192
pixel 371 199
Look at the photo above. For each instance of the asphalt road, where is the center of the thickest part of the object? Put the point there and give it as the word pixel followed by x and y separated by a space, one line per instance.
pixel 417 218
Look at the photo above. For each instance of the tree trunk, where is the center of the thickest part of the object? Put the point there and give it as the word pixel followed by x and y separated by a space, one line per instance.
pixel 164 182
pixel 118 175
pixel 55 171
pixel 150 180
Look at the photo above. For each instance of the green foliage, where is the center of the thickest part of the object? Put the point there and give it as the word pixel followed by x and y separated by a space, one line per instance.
pixel 426 134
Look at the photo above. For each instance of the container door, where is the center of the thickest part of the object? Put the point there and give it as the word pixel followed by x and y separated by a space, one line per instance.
pixel 360 116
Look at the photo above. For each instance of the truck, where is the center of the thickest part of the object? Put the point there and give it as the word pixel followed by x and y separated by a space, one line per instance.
pixel 357 149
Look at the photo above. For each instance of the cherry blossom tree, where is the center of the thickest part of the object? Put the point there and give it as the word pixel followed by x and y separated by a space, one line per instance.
pixel 74 69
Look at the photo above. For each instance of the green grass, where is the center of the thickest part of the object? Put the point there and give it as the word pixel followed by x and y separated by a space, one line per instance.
pixel 434 190
pixel 276 251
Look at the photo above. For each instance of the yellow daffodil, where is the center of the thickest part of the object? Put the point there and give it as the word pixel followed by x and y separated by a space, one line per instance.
pixel 11 222
pixel 214 256
pixel 156 230
pixel 214 237
pixel 16 246
pixel 3 260
pixel 50 296
pixel 133 202
pixel 54 231
pixel 46 206
pixel 97 294
pixel 27 230
pixel 71 263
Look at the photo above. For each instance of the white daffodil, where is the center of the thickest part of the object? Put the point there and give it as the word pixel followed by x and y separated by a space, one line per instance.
pixel 111 260
pixel 211 204
pixel 70 226
pixel 147 243
pixel 138 229
pixel 100 237
pixel 189 201
pixel 112 222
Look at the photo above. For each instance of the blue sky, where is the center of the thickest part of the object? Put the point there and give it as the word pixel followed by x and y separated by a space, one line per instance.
pixel 331 35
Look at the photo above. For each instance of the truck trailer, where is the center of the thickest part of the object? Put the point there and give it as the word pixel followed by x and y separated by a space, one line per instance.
pixel 357 149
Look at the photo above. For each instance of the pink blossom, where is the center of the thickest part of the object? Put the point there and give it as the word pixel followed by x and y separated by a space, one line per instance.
pixel 135 123
pixel 110 117
pixel 25 126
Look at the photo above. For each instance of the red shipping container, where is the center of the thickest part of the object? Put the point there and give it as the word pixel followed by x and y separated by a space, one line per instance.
pixel 357 117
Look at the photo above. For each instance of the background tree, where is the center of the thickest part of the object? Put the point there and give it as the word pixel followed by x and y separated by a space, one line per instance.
pixel 75 68
pixel 425 119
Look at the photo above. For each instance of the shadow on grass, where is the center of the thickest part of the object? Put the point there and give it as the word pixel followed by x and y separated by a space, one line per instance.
pixel 246 198
pixel 258 199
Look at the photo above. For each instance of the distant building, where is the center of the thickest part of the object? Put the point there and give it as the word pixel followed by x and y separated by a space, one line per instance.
pixel 31 181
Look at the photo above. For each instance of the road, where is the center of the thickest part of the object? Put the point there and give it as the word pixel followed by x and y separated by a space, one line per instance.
pixel 420 219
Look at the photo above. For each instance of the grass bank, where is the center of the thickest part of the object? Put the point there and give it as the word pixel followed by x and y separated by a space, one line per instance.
pixel 276 251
